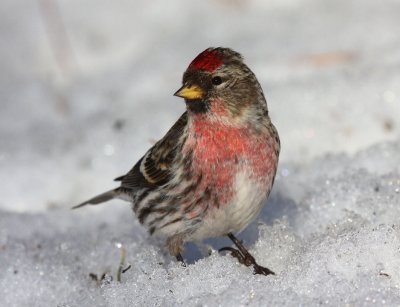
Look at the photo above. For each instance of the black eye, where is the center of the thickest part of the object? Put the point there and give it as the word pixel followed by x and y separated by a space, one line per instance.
pixel 216 80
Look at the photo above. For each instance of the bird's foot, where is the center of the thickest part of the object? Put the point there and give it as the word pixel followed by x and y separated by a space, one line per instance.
pixel 247 260
pixel 234 253
pixel 180 259
pixel 244 257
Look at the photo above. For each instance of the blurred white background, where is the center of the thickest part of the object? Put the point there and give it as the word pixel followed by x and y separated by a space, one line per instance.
pixel 86 87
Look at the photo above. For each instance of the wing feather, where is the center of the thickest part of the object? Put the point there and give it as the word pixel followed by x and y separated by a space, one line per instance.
pixel 154 168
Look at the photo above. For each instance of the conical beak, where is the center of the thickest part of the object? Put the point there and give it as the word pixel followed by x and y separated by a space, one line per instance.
pixel 190 92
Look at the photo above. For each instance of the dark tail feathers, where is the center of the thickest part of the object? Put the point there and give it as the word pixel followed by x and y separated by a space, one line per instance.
pixel 106 196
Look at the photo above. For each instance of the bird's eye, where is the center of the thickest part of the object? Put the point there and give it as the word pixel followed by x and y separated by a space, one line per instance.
pixel 216 80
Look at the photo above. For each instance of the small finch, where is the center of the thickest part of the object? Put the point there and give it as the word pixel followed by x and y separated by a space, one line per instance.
pixel 211 174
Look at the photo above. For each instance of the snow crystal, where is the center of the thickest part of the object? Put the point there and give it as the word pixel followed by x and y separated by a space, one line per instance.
pixel 70 124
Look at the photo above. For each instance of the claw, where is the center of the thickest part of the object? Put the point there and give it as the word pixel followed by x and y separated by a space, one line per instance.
pixel 258 269
pixel 245 257
pixel 234 253
pixel 180 259
pixel 247 260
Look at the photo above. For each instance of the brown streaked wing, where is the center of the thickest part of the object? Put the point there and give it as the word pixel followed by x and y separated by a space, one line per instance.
pixel 153 169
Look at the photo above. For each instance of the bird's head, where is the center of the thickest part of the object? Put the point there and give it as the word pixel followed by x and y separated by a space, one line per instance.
pixel 217 82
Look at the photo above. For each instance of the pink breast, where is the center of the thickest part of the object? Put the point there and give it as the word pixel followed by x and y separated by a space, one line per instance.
pixel 220 152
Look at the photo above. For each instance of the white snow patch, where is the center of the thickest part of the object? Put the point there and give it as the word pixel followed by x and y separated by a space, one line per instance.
pixel 331 227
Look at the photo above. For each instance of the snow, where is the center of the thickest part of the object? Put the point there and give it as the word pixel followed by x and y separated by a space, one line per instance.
pixel 78 112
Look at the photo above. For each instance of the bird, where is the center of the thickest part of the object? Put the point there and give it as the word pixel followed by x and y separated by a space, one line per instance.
pixel 212 172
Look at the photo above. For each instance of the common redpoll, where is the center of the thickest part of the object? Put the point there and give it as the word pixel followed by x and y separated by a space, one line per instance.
pixel 211 174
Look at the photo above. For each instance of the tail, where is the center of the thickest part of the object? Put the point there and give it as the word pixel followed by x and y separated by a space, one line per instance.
pixel 106 196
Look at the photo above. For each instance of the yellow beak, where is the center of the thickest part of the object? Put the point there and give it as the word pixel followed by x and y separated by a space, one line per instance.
pixel 190 92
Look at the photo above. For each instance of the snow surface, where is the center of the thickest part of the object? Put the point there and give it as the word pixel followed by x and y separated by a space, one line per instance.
pixel 79 109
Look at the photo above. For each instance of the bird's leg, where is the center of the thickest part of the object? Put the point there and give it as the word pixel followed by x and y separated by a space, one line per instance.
pixel 180 259
pixel 174 246
pixel 243 255
pixel 234 252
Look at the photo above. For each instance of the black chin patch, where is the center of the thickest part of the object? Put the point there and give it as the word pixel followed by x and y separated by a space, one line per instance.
pixel 197 106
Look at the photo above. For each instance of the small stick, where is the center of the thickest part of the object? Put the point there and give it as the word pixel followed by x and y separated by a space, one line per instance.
pixel 121 262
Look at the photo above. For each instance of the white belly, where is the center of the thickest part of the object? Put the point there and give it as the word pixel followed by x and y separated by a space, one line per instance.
pixel 246 204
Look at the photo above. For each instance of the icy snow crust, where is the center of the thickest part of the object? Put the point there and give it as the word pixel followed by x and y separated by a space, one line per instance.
pixel 332 237
pixel 331 229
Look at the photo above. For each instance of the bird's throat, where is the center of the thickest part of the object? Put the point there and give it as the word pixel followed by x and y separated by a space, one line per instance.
pixel 197 106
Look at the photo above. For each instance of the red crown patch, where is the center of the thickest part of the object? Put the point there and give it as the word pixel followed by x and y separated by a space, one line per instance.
pixel 209 60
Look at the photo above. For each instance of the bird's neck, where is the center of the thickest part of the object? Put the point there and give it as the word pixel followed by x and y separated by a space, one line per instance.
pixel 219 116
